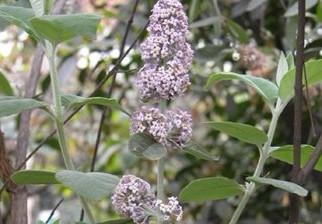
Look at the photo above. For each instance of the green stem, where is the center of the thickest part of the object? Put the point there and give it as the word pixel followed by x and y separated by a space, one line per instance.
pixel 264 154
pixel 58 110
pixel 160 184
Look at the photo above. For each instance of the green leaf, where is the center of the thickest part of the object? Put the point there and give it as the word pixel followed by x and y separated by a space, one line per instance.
pixel 253 4
pixel 265 88
pixel 94 185
pixel 34 177
pixel 60 28
pixel 285 154
pixel 118 221
pixel 5 86
pixel 293 9
pixel 243 132
pixel 212 188
pixel 237 31
pixel 196 150
pixel 70 101
pixel 313 72
pixel 10 105
pixel 285 185
pixel 282 68
pixel 290 61
pixel 144 146
pixel 38 7
pixel 19 16
pixel 205 22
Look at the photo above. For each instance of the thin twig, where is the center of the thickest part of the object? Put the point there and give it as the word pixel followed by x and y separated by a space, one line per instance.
pixel 294 205
pixel 54 209
pixel 109 94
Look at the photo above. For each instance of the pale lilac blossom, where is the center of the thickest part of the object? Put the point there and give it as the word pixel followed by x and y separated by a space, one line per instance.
pixel 166 54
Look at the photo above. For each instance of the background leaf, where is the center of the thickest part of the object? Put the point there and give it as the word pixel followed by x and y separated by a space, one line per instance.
pixel 212 188
pixel 5 86
pixel 285 154
pixel 34 177
pixel 293 9
pixel 198 151
pixel 243 132
pixel 285 185
pixel 253 4
pixel 118 221
pixel 94 186
pixel 144 146
pixel 282 68
pixel 313 72
pixel 10 105
pixel 38 7
pixel 265 88
pixel 60 28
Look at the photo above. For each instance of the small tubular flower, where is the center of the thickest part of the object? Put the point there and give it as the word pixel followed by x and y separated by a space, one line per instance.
pixel 132 195
pixel 166 54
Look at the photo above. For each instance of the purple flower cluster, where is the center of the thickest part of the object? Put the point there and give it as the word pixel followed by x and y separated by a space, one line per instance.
pixel 131 195
pixel 134 199
pixel 166 54
pixel 173 128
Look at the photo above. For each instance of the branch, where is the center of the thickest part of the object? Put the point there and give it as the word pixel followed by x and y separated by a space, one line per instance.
pixel 294 207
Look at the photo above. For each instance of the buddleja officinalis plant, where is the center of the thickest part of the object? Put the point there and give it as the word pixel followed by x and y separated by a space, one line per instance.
pixel 156 129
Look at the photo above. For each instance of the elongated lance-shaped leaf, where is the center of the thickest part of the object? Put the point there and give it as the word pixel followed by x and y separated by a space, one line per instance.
pixel 5 86
pixel 285 185
pixel 198 151
pixel 71 101
pixel 34 177
pixel 10 105
pixel 212 188
pixel 265 88
pixel 313 72
pixel 19 16
pixel 285 154
pixel 60 28
pixel 282 68
pixel 94 185
pixel 243 132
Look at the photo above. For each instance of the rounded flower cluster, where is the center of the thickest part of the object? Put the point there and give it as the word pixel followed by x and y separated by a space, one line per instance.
pixel 166 54
pixel 134 199
pixel 172 128
pixel 170 211
pixel 131 196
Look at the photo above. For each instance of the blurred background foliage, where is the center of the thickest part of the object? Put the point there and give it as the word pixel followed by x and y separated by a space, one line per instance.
pixel 243 36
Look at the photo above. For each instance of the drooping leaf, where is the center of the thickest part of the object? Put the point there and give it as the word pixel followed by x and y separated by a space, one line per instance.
pixel 38 7
pixel 34 177
pixel 285 154
pixel 198 151
pixel 19 16
pixel 313 72
pixel 243 132
pixel 70 101
pixel 60 28
pixel 293 9
pixel 118 221
pixel 212 188
pixel 285 185
pixel 10 105
pixel 94 185
pixel 253 4
pixel 265 88
pixel 282 68
pixel 144 146
pixel 290 61
pixel 205 22
pixel 237 31
pixel 5 86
